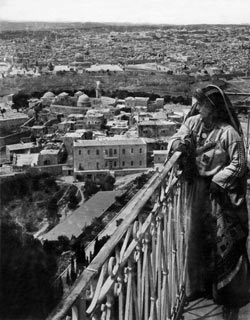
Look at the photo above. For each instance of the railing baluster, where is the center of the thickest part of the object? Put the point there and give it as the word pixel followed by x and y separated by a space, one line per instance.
pixel 146 276
pixel 128 306
pixel 140 272
pixel 135 298
pixel 159 265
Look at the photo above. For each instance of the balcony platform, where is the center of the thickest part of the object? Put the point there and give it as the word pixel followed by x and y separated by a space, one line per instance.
pixel 206 309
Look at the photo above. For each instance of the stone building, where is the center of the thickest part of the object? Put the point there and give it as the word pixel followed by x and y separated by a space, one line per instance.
pixel 49 157
pixel 94 120
pixel 21 148
pixel 156 128
pixel 112 154
pixel 79 104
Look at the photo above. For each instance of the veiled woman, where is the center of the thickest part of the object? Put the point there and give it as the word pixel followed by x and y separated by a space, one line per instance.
pixel 215 166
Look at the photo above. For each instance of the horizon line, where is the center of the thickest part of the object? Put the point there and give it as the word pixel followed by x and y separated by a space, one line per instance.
pixel 122 23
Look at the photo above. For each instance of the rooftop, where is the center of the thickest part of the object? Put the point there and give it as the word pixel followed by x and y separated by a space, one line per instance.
pixel 108 142
pixel 156 122
pixel 19 146
pixel 49 151
pixel 104 67
pixel 26 159
pixel 75 223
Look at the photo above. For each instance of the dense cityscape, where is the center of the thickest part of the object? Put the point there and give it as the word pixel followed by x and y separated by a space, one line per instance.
pixel 87 111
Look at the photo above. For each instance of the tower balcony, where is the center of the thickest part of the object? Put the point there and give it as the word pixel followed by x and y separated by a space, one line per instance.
pixel 140 272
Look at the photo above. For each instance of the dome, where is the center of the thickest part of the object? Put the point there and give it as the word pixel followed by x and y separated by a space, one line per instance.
pixel 48 95
pixel 78 93
pixel 63 94
pixel 79 57
pixel 83 100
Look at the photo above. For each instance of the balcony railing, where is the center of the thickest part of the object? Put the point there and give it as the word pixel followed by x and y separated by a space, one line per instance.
pixel 140 272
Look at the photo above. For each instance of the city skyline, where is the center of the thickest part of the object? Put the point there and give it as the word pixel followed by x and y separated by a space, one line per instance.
pixel 139 11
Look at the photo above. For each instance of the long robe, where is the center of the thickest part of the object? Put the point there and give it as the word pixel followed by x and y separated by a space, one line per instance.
pixel 218 227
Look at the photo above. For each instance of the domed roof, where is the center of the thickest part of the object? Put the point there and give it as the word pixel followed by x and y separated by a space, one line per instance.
pixel 48 95
pixel 63 94
pixel 83 99
pixel 79 57
pixel 78 93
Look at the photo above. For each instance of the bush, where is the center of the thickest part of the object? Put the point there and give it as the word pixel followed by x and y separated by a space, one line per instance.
pixel 27 275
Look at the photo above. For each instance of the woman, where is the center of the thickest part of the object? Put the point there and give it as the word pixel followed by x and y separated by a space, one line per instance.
pixel 214 163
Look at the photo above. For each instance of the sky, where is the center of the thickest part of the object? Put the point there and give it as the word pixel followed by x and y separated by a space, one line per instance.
pixel 133 11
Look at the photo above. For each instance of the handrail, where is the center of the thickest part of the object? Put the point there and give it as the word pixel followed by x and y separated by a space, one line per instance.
pixel 130 213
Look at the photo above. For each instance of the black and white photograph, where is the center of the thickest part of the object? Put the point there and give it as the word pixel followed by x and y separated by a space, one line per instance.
pixel 124 160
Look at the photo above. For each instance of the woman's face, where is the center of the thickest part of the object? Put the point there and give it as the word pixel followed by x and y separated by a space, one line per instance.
pixel 206 111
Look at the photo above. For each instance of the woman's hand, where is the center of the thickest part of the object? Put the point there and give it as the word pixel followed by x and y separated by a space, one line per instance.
pixel 178 145
pixel 219 194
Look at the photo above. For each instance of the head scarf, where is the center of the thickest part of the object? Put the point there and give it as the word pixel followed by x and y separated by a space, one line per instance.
pixel 220 101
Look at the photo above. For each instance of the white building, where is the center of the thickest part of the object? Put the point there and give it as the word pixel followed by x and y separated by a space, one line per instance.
pixel 112 154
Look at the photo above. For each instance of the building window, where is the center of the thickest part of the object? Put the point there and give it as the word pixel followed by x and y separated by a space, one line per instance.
pixel 80 166
pixel 97 165
pixel 140 163
pixel 123 163
pixel 106 164
pixel 132 150
pixel 46 162
pixel 123 151
pixel 97 152
pixel 88 152
pixel 132 163
pixel 115 151
pixel 140 150
pixel 80 152
pixel 106 151
pixel 114 163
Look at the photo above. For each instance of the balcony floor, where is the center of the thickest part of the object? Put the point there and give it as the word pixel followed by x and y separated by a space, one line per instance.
pixel 206 309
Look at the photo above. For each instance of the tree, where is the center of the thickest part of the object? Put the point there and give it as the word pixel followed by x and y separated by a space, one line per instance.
pixel 27 275
pixel 73 202
pixel 64 243
pixel 108 183
pixel 73 274
pixel 90 188
pixel 68 281
pixel 52 210
pixel 3 111
pixel 50 67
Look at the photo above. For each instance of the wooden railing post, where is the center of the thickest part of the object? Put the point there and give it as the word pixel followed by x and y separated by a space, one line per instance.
pixel 140 272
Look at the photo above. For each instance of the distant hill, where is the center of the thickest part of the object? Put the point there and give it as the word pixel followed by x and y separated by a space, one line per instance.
pixel 33 26
pixel 43 25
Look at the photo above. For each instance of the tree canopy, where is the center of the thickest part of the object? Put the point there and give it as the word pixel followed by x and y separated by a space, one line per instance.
pixel 27 275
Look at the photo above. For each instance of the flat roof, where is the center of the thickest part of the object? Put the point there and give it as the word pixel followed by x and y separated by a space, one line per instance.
pixel 163 152
pixel 73 135
pixel 107 142
pixel 100 67
pixel 20 146
pixel 156 122
pixel 30 159
pixel 74 224
pixel 10 115
pixel 50 151
pixel 38 127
